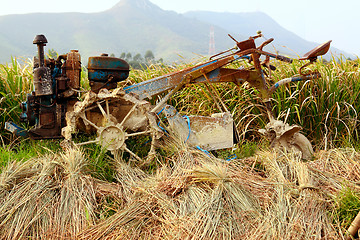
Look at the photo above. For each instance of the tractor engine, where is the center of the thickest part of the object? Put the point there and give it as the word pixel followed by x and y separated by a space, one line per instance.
pixel 56 85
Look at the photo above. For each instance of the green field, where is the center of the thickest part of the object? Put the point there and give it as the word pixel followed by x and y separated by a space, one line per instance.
pixel 87 193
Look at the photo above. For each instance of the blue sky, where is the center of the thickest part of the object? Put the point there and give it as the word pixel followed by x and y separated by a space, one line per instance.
pixel 313 20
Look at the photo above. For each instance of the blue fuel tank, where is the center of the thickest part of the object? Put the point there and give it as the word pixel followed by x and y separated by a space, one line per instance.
pixel 105 71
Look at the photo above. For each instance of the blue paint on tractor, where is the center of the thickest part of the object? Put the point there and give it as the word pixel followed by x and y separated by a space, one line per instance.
pixel 104 69
pixel 150 87
pixel 15 129
pixel 296 79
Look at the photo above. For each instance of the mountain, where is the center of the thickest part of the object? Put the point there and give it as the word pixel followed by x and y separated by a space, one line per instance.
pixel 136 26
pixel 130 26
pixel 248 24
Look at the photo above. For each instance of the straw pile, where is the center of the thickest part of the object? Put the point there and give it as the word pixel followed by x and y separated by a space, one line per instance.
pixel 49 197
pixel 201 197
pixel 190 196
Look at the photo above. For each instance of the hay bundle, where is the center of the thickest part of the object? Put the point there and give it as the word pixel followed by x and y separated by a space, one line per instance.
pixel 76 204
pixel 57 200
pixel 194 197
pixel 13 174
pixel 300 207
pixel 216 204
pixel 338 164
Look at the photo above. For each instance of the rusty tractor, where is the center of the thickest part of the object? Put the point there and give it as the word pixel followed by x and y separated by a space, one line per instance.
pixel 117 114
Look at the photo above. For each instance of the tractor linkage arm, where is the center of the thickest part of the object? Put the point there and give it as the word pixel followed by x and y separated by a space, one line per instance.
pixel 214 71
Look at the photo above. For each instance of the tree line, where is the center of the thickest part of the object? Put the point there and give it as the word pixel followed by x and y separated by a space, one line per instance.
pixel 137 61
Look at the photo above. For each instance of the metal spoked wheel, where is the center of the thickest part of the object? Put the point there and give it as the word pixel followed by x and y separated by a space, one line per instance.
pixel 116 118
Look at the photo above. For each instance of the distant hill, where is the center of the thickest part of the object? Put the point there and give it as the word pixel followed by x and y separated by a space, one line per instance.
pixel 130 26
pixel 136 26
pixel 248 24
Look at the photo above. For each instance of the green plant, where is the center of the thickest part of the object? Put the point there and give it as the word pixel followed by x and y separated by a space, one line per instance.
pixel 243 149
pixel 27 149
pixel 15 83
pixel 326 108
pixel 101 164
pixel 347 206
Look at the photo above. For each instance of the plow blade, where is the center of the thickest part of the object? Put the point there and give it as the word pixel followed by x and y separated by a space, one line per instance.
pixel 208 133
pixel 212 133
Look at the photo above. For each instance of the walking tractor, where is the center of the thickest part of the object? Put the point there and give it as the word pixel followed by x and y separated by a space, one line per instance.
pixel 118 114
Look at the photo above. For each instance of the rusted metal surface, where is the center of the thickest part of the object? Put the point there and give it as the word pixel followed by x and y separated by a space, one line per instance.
pixel 208 133
pixel 55 85
pixel 42 74
pixel 47 119
pixel 42 81
pixel 287 138
pixel 192 75
pixel 316 52
pixel 247 44
pixel 115 117
pixel 73 69
pixel 40 41
pixel 312 56
pixel 215 132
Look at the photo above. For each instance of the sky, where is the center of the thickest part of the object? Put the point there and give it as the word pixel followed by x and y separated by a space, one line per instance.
pixel 313 20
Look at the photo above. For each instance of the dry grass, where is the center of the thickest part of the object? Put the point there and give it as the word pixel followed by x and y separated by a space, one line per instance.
pixel 47 197
pixel 12 175
pixel 192 195
pixel 201 197
pixel 299 206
